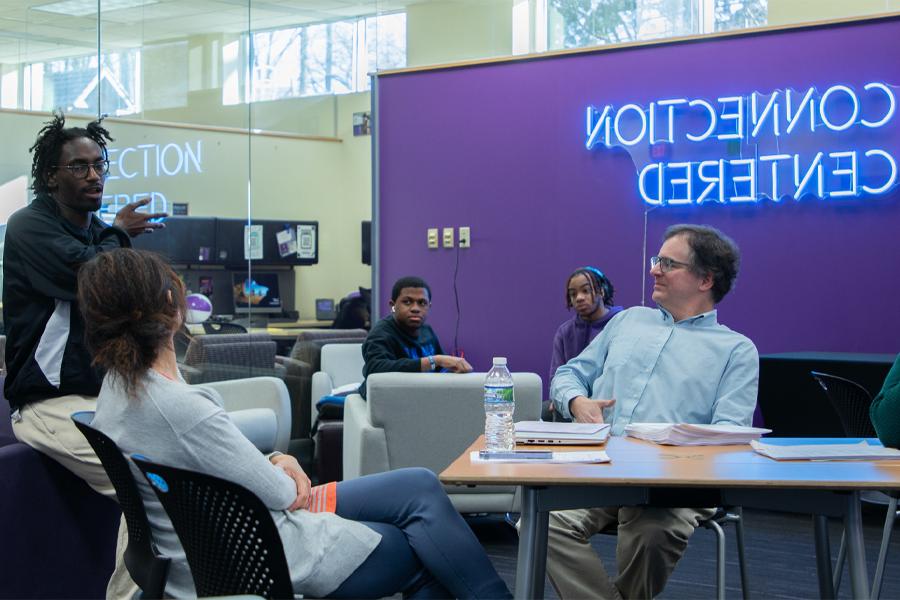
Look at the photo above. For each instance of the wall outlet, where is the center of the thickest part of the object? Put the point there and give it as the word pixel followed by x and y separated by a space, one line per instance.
pixel 432 237
pixel 465 237
pixel 448 237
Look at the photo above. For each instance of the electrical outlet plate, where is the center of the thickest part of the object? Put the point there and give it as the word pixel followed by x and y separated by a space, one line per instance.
pixel 448 237
pixel 433 237
pixel 465 237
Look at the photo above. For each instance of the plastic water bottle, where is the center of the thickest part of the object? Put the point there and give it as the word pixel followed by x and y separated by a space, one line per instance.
pixel 499 403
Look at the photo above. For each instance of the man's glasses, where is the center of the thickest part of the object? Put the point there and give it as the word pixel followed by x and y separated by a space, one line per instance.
pixel 101 168
pixel 667 264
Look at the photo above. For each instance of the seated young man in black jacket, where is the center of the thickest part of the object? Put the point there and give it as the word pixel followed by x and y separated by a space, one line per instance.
pixel 402 341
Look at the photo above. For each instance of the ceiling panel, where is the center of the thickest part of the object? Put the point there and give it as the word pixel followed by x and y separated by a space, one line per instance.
pixel 53 35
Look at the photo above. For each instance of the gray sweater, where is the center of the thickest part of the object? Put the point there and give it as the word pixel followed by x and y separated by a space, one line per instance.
pixel 183 426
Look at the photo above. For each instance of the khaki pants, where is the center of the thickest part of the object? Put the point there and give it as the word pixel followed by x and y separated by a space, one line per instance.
pixel 650 542
pixel 47 427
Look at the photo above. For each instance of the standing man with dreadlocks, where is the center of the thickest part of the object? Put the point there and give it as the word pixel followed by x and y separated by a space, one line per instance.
pixel 590 293
pixel 49 371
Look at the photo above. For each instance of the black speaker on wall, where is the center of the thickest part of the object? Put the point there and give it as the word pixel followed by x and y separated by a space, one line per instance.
pixel 367 242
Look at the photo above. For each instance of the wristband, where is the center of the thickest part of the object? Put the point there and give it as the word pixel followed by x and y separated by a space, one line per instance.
pixel 432 363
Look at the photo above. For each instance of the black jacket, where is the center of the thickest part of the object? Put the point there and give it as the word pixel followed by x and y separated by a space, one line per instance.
pixel 389 349
pixel 45 352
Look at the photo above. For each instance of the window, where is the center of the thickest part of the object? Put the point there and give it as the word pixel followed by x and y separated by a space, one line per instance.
pixel 579 23
pixel 740 14
pixel 77 85
pixel 323 58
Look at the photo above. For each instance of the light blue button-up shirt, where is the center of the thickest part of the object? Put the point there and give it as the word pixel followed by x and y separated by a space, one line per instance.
pixel 660 371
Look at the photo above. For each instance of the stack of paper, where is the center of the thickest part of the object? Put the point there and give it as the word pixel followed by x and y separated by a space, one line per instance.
pixel 555 458
pixel 860 451
pixel 686 434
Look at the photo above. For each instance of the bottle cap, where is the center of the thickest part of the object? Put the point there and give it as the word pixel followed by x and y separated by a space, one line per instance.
pixel 500 360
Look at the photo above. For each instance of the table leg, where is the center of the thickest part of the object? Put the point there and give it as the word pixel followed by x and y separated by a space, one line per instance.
pixel 823 558
pixel 856 551
pixel 532 561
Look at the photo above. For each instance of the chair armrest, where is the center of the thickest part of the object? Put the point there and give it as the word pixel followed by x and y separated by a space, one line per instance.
pixel 259 425
pixel 259 392
pixel 365 447
pixel 322 384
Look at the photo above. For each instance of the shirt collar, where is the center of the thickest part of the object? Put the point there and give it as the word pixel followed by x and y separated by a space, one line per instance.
pixel 707 319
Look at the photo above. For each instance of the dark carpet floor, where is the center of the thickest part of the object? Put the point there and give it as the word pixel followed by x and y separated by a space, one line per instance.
pixel 780 557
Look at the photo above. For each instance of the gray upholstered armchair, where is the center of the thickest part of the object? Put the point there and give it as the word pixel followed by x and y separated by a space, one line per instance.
pixel 427 420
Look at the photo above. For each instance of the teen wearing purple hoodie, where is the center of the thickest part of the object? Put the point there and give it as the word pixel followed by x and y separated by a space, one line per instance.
pixel 590 293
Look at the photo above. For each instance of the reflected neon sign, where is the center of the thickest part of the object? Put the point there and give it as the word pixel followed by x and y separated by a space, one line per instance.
pixel 739 149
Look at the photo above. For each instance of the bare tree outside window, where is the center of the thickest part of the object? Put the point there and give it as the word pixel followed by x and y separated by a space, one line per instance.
pixel 580 23
pixel 741 14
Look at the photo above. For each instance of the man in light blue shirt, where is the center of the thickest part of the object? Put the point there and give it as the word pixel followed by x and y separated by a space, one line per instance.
pixel 675 364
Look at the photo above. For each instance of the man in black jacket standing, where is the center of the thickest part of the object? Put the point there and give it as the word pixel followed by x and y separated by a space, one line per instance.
pixel 402 341
pixel 49 370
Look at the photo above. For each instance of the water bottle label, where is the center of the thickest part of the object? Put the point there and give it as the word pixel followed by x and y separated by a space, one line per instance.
pixel 493 395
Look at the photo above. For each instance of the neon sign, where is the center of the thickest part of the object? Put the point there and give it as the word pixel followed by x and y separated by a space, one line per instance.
pixel 145 162
pixel 742 149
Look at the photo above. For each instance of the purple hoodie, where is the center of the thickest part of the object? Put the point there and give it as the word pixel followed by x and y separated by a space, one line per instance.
pixel 574 335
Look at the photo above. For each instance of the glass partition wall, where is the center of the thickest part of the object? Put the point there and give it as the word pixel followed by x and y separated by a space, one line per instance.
pixel 235 117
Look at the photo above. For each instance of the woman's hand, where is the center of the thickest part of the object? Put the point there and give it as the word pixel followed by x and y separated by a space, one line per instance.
pixel 289 465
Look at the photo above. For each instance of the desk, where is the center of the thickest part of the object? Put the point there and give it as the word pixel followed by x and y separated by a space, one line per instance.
pixel 284 334
pixel 646 473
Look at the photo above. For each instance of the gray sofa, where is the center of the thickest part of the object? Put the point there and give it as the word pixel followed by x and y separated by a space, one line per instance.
pixel 427 420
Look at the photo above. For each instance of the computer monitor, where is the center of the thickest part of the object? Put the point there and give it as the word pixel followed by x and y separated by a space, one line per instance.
pixel 256 293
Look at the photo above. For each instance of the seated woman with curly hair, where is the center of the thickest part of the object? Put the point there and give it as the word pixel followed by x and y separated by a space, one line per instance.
pixel 368 537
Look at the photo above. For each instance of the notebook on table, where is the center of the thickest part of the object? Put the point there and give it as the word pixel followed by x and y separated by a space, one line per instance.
pixel 546 432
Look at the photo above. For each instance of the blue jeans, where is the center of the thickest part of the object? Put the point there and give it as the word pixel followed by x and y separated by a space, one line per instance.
pixel 426 551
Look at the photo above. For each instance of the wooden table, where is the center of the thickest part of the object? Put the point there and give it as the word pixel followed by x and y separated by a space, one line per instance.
pixel 643 473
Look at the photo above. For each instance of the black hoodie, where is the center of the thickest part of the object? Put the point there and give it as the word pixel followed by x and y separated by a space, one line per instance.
pixel 45 352
pixel 389 349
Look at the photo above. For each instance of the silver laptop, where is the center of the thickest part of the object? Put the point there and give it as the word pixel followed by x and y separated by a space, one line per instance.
pixel 547 432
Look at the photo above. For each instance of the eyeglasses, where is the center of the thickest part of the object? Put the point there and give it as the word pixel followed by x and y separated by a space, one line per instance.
pixel 667 264
pixel 101 168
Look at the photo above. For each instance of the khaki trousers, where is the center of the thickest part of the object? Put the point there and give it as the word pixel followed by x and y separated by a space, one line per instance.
pixel 650 542
pixel 47 427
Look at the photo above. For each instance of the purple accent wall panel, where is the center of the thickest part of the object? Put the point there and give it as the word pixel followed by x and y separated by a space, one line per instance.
pixel 501 148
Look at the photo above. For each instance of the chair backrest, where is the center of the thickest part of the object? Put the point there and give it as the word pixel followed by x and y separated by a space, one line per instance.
pixel 851 401
pixel 343 362
pixel 228 535
pixel 224 357
pixel 308 346
pixel 146 566
pixel 223 328
pixel 430 418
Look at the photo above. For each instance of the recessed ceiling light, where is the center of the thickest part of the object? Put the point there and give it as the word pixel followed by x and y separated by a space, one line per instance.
pixel 83 8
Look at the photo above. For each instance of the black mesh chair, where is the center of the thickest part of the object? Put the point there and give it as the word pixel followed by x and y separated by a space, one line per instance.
pixel 228 535
pixel 211 328
pixel 146 566
pixel 851 401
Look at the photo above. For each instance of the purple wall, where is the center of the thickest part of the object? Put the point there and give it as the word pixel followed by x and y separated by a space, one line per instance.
pixel 500 148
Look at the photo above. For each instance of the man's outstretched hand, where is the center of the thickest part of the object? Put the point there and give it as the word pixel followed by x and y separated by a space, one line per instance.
pixel 135 223
pixel 586 410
